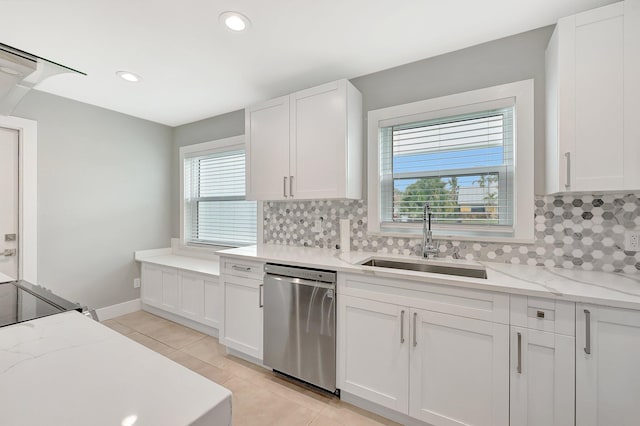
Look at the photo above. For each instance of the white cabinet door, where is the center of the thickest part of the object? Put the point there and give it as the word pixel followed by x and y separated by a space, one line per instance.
pixel 151 286
pixel 160 287
pixel 592 100
pixel 459 370
pixel 191 296
pixel 542 378
pixel 598 151
pixel 631 93
pixel 267 150
pixel 607 366
pixel 373 351
pixel 319 141
pixel 212 302
pixel 242 329
pixel 170 290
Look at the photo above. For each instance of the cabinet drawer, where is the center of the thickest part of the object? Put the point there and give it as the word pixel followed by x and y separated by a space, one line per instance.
pixel 478 304
pixel 242 268
pixel 556 316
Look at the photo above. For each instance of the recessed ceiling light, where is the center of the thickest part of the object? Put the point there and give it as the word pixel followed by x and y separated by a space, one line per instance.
pixel 129 76
pixel 9 71
pixel 235 21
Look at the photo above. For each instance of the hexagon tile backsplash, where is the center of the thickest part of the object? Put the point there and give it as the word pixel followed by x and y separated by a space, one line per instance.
pixel 571 231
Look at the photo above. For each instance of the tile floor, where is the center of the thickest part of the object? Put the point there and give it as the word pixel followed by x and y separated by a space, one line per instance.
pixel 259 397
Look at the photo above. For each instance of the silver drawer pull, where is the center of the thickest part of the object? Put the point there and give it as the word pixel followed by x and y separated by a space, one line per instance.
pixel 8 252
pixel 260 291
pixel 567 155
pixel 241 268
pixel 415 334
pixel 290 186
pixel 519 367
pixel 401 326
pixel 284 187
pixel 587 319
pixel 540 314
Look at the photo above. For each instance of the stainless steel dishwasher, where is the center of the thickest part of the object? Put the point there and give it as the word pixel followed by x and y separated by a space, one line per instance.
pixel 300 324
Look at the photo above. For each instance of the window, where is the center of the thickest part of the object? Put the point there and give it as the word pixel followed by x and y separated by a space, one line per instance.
pixel 215 210
pixel 465 155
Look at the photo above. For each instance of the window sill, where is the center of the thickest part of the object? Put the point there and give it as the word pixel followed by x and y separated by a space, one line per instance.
pixel 448 237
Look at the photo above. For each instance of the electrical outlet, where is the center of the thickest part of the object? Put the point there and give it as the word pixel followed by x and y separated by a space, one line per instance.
pixel 632 241
pixel 136 283
pixel 317 227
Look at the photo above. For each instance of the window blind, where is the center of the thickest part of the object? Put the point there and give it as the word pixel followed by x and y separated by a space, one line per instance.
pixel 462 165
pixel 216 211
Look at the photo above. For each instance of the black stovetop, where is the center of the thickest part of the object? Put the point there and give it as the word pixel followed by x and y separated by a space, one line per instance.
pixel 22 301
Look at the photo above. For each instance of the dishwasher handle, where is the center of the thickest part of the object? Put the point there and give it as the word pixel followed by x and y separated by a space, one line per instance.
pixel 298 281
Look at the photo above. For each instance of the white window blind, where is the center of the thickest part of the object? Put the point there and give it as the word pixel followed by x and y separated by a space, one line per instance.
pixel 216 211
pixel 462 165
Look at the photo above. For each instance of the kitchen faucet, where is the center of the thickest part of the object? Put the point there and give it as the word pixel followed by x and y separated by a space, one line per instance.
pixel 427 237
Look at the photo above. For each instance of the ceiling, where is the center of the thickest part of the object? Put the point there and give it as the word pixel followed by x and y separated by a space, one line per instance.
pixel 194 68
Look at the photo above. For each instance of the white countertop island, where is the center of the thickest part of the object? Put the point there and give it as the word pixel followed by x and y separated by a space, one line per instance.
pixel 67 369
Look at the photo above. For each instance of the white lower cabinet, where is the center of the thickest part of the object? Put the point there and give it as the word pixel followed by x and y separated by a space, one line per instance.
pixel 191 295
pixel 542 378
pixel 242 308
pixel 439 368
pixel 607 366
pixel 160 287
pixel 373 362
pixel 459 371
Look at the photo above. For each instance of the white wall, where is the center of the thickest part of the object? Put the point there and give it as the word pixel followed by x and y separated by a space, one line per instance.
pixel 104 190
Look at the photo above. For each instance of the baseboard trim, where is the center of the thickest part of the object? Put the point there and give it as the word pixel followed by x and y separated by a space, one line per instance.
pixel 211 331
pixel 116 310
pixel 380 410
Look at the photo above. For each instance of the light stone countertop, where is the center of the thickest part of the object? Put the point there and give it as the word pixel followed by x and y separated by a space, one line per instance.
pixel 67 369
pixel 610 289
pixel 165 257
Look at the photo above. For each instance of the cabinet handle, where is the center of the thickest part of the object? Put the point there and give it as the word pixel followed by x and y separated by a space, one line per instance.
pixel 587 319
pixel 567 155
pixel 284 187
pixel 401 326
pixel 290 186
pixel 260 291
pixel 241 268
pixel 519 367
pixel 415 336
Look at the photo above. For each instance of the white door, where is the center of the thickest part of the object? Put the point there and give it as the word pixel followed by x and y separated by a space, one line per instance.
pixel 212 302
pixel 599 154
pixel 243 315
pixel 542 378
pixel 319 141
pixel 151 291
pixel 607 366
pixel 459 370
pixel 9 139
pixel 267 150
pixel 191 296
pixel 373 351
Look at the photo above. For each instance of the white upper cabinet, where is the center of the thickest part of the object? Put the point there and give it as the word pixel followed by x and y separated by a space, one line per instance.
pixel 267 150
pixel 593 86
pixel 307 145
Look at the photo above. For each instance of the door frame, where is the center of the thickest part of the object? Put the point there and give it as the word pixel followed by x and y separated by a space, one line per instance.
pixel 27 195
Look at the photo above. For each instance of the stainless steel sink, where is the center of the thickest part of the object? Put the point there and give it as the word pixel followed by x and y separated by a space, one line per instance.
pixel 472 271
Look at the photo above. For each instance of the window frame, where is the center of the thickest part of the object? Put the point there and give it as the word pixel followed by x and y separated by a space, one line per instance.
pixel 233 143
pixel 520 96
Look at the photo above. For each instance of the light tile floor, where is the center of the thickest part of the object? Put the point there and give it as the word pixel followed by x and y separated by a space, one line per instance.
pixel 259 396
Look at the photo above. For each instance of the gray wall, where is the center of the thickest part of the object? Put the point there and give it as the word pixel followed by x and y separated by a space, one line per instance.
pixel 515 58
pixel 104 185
